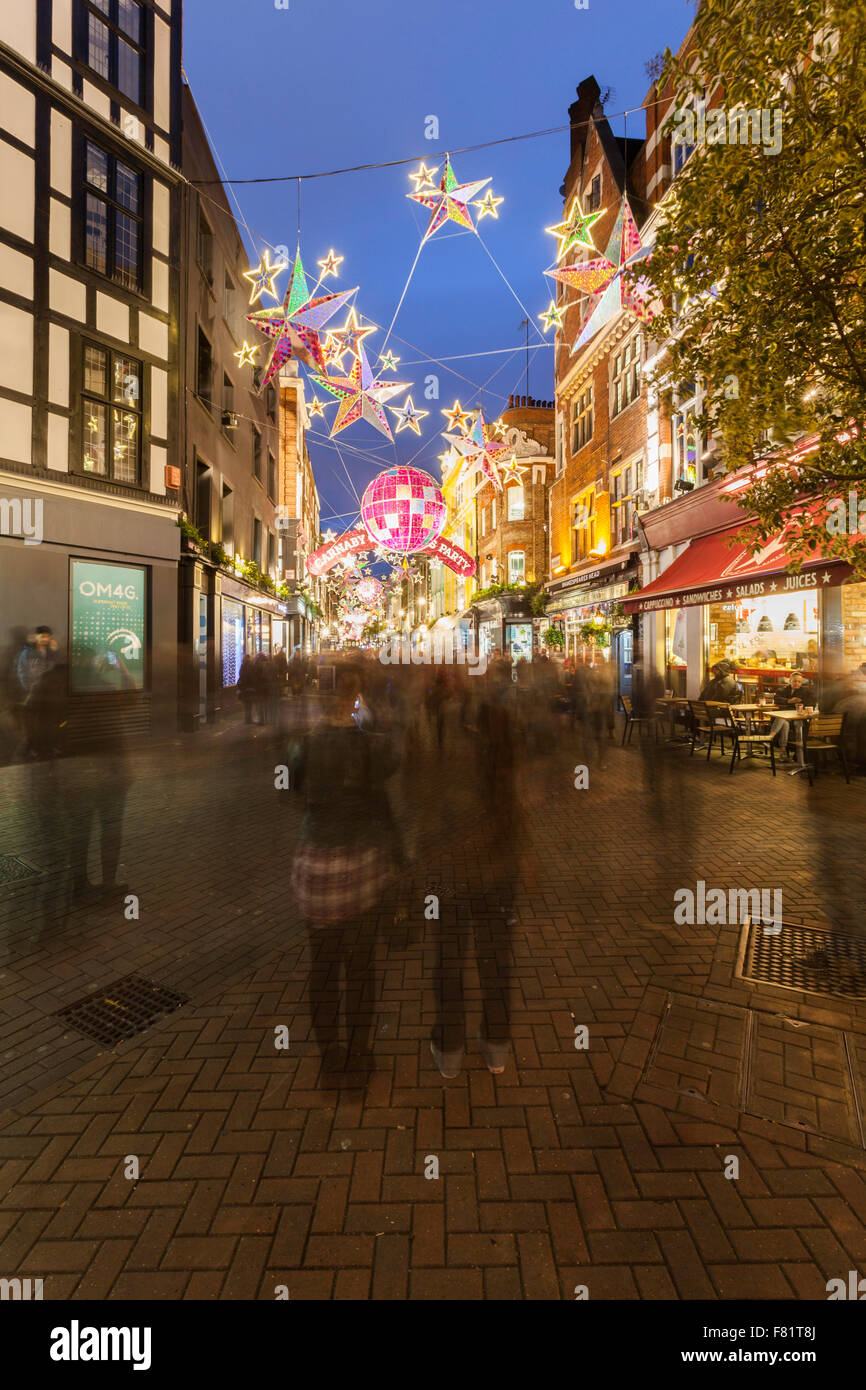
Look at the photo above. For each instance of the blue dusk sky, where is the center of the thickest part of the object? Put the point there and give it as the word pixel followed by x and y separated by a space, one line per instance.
pixel 326 84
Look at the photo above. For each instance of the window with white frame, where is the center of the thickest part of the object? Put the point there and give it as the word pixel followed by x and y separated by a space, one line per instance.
pixel 625 385
pixel 686 441
pixel 583 526
pixel 625 486
pixel 516 503
pixel 516 566
pixel 581 419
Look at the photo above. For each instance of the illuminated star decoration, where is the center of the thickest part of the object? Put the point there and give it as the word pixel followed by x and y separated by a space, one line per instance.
pixel 487 206
pixel 296 324
pixel 499 428
pixel 479 449
pixel 551 317
pixel 408 416
pixel 449 202
pixel 361 396
pixel 262 279
pixel 513 471
pixel 330 535
pixel 329 266
pixel 315 407
pixel 457 418
pixel 389 362
pixel 624 250
pixel 247 355
pixel 423 177
pixel 350 336
pixel 574 231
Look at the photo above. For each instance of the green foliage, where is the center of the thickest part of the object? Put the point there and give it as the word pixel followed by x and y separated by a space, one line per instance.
pixel 760 261
pixel 494 590
pixel 554 637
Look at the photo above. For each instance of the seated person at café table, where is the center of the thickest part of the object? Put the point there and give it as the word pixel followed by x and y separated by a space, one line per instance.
pixel 723 687
pixel 796 692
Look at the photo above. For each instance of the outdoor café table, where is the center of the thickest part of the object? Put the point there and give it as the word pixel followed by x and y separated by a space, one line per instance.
pixel 670 705
pixel 797 717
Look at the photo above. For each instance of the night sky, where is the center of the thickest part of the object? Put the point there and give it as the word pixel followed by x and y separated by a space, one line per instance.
pixel 326 84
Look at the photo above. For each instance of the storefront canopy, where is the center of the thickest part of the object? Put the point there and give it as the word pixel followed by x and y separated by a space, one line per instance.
pixel 716 569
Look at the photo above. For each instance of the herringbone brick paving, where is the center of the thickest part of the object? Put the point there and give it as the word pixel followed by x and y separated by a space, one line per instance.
pixel 256 1172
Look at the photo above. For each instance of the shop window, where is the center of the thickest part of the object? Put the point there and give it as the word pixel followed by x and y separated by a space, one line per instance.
pixel 113 228
pixel 108 627
pixel 111 415
pixel 204 370
pixel 516 503
pixel 516 566
pixel 625 386
pixel 581 420
pixel 204 248
pixel 115 44
pixel 766 638
pixel 675 651
pixel 583 526
pixel 625 486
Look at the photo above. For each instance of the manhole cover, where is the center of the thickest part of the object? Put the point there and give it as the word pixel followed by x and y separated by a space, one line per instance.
pixel 127 1007
pixel 818 962
pixel 13 868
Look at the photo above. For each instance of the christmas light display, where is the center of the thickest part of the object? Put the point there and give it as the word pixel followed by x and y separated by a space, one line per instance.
pixel 457 417
pixel 408 416
pixel 575 229
pixel 389 362
pixel 450 202
pixel 513 471
pixel 623 249
pixel 350 336
pixel 487 206
pixel 591 277
pixel 331 264
pixel 551 317
pixel 262 278
pixel 361 395
pixel 296 325
pixel 423 178
pixel 479 449
pixel 247 355
pixel 404 510
pixel 369 591
pixel 315 407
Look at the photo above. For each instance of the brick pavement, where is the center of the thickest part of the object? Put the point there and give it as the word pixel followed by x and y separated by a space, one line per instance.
pixel 602 1167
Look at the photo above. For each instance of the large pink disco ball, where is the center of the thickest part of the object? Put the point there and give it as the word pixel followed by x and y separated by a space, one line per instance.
pixel 368 590
pixel 403 510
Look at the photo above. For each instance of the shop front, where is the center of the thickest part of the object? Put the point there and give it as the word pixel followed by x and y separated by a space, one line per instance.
pixel 505 625
pixel 716 601
pixel 588 610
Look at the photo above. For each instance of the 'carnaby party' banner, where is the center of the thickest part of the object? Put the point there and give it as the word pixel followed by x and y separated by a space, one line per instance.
pixel 324 559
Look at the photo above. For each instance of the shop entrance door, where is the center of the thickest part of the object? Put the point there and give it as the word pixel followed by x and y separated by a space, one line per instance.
pixel 624 660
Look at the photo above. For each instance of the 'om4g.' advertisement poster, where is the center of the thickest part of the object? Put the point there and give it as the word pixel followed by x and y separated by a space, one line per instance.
pixel 108 626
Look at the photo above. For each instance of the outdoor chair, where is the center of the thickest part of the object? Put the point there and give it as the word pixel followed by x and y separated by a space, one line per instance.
pixel 631 719
pixel 727 726
pixel 701 725
pixel 825 735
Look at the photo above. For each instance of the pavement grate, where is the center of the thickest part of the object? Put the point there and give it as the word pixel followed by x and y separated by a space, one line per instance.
pixel 122 1010
pixel 12 868
pixel 805 958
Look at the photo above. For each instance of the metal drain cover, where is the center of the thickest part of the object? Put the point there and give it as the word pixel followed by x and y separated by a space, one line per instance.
pixel 12 868
pixel 127 1007
pixel 805 958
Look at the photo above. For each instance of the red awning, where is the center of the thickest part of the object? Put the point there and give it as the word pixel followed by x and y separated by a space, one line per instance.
pixel 712 570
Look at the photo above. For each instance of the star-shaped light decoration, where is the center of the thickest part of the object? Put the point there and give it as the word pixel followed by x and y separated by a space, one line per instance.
pixel 479 449
pixel 551 317
pixel 361 396
pixel 389 362
pixel 624 250
pixel 315 407
pixel 331 263
pixel 575 229
pixel 331 350
pixel 423 177
pixel 247 355
pixel 457 417
pixel 487 206
pixel 351 335
pixel 296 324
pixel 262 278
pixel 330 535
pixel 513 471
pixel 499 428
pixel 410 418
pixel 449 203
